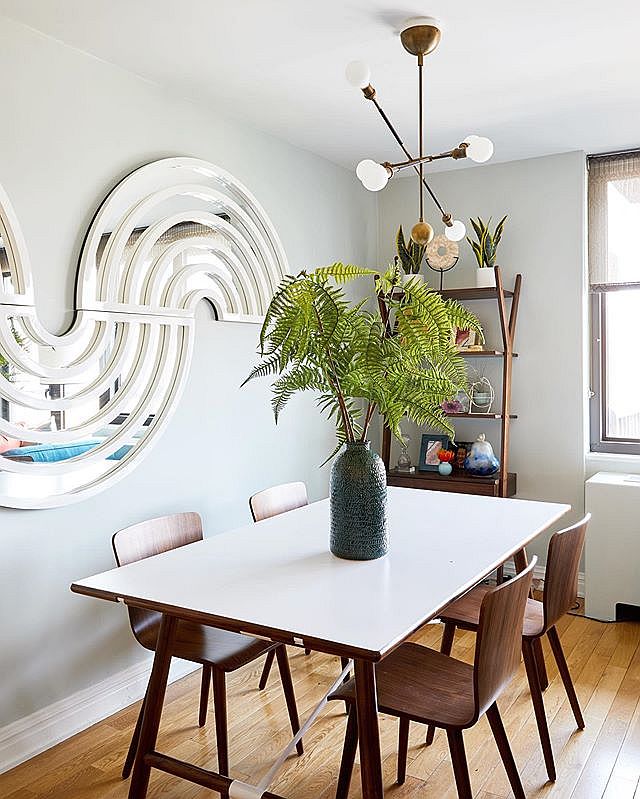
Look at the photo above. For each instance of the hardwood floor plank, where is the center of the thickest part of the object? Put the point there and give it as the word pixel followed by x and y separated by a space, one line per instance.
pixel 602 762
pixel 596 773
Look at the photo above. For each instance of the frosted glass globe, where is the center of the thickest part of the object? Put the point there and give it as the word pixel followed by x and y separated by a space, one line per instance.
pixel 358 74
pixel 456 232
pixel 372 175
pixel 480 149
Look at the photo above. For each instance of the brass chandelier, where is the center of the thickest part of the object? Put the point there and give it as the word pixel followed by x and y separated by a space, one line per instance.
pixel 419 36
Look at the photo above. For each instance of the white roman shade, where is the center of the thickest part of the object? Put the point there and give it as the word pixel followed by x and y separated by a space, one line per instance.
pixel 614 221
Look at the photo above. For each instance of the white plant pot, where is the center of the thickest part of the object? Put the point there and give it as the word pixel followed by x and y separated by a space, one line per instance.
pixel 407 278
pixel 485 278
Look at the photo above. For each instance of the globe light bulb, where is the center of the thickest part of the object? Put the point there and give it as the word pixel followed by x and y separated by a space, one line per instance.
pixel 362 168
pixel 422 233
pixel 479 149
pixel 456 231
pixel 373 176
pixel 358 74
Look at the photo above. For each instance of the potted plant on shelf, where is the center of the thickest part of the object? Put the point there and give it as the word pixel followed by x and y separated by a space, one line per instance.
pixel 409 255
pixel 485 250
pixel 314 339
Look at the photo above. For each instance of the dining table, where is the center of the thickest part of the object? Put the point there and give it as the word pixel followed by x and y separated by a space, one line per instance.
pixel 277 579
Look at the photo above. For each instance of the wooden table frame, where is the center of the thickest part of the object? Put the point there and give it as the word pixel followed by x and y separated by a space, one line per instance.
pixel 107 587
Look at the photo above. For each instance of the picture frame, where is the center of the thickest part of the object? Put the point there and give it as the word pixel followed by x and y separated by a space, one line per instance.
pixel 461 449
pixel 431 444
pixel 463 338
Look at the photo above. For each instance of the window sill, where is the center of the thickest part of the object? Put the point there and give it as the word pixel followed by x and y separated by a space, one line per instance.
pixel 611 462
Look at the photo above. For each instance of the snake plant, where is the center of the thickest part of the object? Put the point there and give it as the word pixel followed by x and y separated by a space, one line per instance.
pixel 485 248
pixel 410 255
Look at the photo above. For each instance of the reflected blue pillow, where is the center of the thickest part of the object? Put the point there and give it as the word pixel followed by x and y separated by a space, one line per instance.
pixel 52 453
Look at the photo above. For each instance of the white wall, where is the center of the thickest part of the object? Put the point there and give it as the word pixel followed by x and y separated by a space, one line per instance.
pixel 72 126
pixel 544 240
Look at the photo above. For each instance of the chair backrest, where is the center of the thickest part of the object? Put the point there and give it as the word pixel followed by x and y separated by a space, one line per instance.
pixel 149 538
pixel 561 572
pixel 499 640
pixel 277 499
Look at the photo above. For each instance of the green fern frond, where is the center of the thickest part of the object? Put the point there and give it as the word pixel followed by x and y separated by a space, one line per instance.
pixel 341 273
pixel 314 339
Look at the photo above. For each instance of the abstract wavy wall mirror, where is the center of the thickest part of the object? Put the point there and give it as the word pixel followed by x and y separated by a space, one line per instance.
pixel 78 411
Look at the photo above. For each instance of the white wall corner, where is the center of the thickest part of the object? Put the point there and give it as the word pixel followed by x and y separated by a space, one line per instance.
pixel 33 734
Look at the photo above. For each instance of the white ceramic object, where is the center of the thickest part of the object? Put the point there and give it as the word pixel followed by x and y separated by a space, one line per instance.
pixel 485 278
pixel 171 234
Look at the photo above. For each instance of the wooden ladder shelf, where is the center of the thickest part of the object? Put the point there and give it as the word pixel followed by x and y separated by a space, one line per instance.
pixel 504 484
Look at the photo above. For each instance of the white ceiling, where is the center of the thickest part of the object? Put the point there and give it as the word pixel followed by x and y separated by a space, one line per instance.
pixel 537 78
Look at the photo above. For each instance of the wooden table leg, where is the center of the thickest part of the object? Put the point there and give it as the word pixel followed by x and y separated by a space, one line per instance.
pixel 153 707
pixel 520 562
pixel 368 731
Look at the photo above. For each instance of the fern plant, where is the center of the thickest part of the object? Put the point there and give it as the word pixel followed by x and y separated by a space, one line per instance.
pixel 7 368
pixel 410 255
pixel 314 339
pixel 486 247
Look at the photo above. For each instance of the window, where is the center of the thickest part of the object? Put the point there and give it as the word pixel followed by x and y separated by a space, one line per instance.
pixel 614 283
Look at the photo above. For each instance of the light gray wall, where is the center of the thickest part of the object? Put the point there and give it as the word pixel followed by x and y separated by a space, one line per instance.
pixel 72 126
pixel 544 240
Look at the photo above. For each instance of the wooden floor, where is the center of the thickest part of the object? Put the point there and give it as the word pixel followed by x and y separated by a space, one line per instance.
pixel 601 761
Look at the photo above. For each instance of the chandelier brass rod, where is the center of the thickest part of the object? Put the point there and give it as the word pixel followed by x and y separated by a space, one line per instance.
pixel 396 136
pixel 420 135
pixel 426 159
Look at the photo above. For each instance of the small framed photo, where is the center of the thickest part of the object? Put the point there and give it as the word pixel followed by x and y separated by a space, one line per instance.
pixel 431 446
pixel 465 339
pixel 461 450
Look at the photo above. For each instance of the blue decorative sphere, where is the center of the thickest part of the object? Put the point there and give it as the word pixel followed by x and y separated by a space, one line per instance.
pixel 445 469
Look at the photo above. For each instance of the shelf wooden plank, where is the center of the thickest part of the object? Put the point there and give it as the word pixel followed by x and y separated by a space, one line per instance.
pixel 472 293
pixel 484 354
pixel 469 293
pixel 480 415
pixel 457 482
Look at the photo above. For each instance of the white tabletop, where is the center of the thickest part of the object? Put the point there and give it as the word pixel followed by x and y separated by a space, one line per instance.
pixel 278 578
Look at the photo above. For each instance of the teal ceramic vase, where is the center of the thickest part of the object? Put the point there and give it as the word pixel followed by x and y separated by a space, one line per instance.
pixel 358 498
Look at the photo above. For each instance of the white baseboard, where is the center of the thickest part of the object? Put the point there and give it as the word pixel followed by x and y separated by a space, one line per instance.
pixel 539 574
pixel 28 736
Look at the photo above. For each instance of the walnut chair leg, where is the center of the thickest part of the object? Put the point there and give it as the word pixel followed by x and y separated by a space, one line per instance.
pixel 497 728
pixel 348 755
pixel 446 646
pixel 131 754
pixel 204 694
pixel 563 668
pixel 220 709
pixel 403 749
pixel 267 669
pixel 541 666
pixel 344 662
pixel 538 706
pixel 289 695
pixel 459 760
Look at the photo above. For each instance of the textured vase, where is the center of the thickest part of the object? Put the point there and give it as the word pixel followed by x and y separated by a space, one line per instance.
pixel 358 497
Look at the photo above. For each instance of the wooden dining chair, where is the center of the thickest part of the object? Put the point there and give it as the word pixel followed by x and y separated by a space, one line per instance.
pixel 272 502
pixel 278 499
pixel 560 591
pixel 219 651
pixel 416 683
